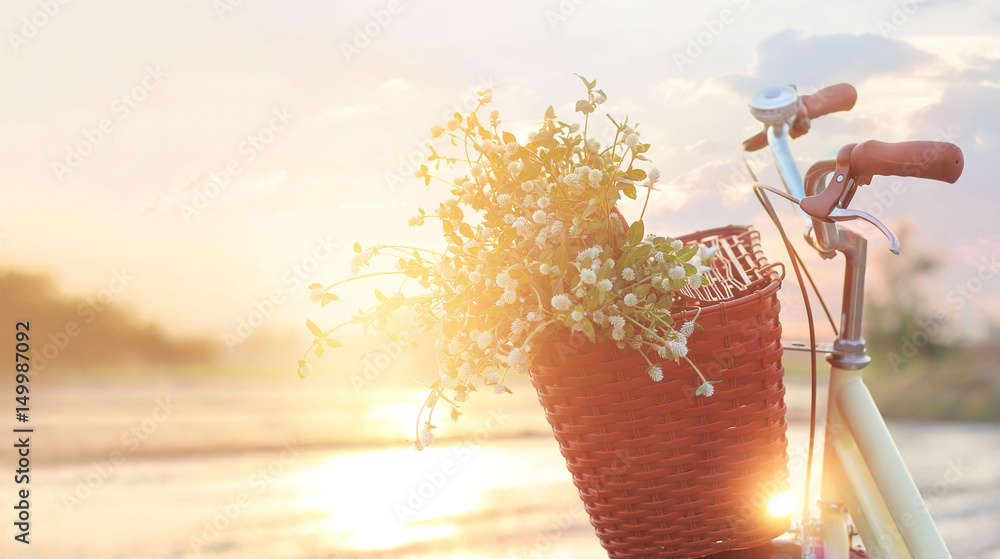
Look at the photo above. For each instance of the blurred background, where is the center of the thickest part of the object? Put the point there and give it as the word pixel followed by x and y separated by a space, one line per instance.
pixel 175 174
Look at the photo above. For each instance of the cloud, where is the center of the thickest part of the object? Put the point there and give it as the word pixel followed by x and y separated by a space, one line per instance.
pixel 813 61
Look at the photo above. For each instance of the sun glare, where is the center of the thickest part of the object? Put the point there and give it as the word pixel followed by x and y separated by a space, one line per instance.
pixel 781 504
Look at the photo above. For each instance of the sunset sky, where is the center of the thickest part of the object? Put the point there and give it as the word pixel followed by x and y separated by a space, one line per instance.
pixel 118 115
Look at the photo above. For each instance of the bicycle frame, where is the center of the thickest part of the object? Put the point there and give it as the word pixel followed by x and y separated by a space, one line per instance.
pixel 862 472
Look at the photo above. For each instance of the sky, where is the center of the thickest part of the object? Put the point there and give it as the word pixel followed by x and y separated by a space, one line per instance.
pixel 221 155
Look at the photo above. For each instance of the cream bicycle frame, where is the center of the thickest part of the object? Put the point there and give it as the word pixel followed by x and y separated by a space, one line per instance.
pixel 863 474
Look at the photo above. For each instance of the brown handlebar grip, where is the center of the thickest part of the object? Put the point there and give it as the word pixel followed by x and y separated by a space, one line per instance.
pixel 840 97
pixel 941 161
pixel 755 142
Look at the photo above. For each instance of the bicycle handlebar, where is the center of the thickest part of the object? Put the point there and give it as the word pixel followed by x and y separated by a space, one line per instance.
pixel 941 161
pixel 832 99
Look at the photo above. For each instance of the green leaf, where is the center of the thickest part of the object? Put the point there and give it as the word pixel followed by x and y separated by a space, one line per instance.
pixel 314 329
pixel 319 351
pixel 629 190
pixel 584 107
pixel 315 285
pixel 561 259
pixel 466 229
pixel 357 248
pixel 686 253
pixel 508 138
pixel 557 153
pixel 506 236
pixel 550 113
pixel 635 233
pixel 588 329
pixel 333 343
pixel 382 298
pixel 637 174
pixel 331 297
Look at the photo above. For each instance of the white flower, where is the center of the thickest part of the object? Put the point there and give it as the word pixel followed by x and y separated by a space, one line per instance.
pixel 498 388
pixel 485 340
pixel 503 199
pixel 687 328
pixel 508 297
pixel 658 257
pixel 447 381
pixel 538 216
pixel 574 127
pixel 557 228
pixel 543 202
pixel 617 334
pixel 521 224
pixel 510 148
pixel 632 141
pixel 676 273
pixel 305 369
pixel 617 322
pixel 631 300
pixel 477 172
pixel 695 282
pixel 593 145
pixel 577 315
pixel 465 372
pixel 416 221
pixel 505 281
pixel 656 373
pixel 628 274
pixel 561 302
pixel 426 437
pixel 475 276
pixel 461 395
pixel 595 177
pixel 588 276
pixel 707 253
pixel 708 388
pixel 605 285
pixel 653 177
pixel 678 347
pixel 317 294
pixel 518 359
pixel 533 317
pixel 543 269
pixel 455 346
pixel 676 245
pixel 485 96
pixel 599 97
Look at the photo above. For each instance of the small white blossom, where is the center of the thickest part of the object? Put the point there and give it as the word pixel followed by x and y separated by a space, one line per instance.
pixel 426 437
pixel 595 177
pixel 317 294
pixel 632 141
pixel 538 216
pixel 485 340
pixel 628 274
pixel 577 315
pixel 498 388
pixel 543 202
pixel 305 369
pixel 656 373
pixel 676 273
pixel 543 269
pixel 605 285
pixel 687 329
pixel 678 347
pixel 617 334
pixel 618 322
pixel 631 300
pixel 676 245
pixel 588 276
pixel 561 302
pixel 416 221
pixel 695 282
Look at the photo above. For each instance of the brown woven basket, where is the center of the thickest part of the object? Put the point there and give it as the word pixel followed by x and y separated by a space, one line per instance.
pixel 662 472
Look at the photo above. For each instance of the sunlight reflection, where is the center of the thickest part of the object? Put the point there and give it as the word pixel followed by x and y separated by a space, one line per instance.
pixel 376 500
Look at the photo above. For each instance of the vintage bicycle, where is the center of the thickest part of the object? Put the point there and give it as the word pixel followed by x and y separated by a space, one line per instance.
pixel 866 489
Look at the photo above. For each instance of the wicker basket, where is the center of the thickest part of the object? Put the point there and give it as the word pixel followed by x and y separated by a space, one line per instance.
pixel 662 472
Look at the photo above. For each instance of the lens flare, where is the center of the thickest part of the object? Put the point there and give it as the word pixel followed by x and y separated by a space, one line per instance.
pixel 781 504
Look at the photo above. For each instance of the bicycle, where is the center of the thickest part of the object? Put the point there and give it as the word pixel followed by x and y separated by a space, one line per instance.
pixel 863 477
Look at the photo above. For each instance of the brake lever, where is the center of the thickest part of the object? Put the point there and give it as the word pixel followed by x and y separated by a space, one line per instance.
pixel 844 214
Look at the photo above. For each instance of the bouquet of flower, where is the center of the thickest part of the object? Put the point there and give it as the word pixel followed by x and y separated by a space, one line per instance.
pixel 534 249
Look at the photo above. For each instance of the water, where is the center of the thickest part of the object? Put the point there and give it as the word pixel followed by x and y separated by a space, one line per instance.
pixel 276 468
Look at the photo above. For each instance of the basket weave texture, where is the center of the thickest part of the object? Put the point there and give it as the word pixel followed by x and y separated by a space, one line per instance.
pixel 662 472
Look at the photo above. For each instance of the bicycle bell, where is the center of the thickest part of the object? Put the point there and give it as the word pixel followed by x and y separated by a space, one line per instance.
pixel 775 106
